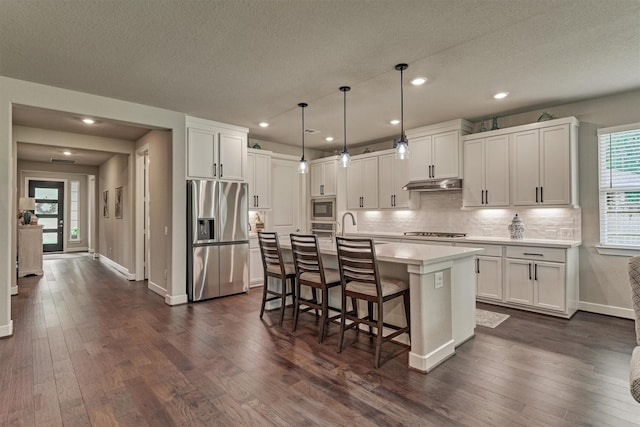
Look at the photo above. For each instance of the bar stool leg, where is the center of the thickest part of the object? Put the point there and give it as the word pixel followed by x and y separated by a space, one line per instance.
pixel 379 337
pixel 315 298
pixel 407 312
pixel 296 305
pixel 264 294
pixel 284 300
pixel 343 314
pixel 370 310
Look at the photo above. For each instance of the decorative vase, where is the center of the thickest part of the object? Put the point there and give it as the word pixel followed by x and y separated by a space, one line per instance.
pixel 482 127
pixel 516 228
pixel 27 217
pixel 494 123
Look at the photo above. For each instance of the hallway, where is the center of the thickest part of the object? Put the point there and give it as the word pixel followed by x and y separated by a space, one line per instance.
pixel 91 348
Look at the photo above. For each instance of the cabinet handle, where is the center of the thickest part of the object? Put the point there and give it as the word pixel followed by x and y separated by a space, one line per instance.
pixel 321 189
pixel 486 197
pixel 257 201
pixel 392 200
pixel 433 171
pixel 395 203
pixel 482 197
pixel 477 266
pixel 535 272
pixel 541 195
pixel 215 169
pixel 536 194
pixel 220 170
pixel 532 254
pixel 529 271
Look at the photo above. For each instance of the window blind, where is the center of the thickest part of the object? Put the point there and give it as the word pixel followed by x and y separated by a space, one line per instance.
pixel 619 160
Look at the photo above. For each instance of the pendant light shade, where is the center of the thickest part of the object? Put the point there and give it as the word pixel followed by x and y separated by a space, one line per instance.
pixel 402 145
pixel 345 157
pixel 303 166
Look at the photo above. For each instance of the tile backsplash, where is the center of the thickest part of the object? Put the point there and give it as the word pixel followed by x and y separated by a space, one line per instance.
pixel 442 211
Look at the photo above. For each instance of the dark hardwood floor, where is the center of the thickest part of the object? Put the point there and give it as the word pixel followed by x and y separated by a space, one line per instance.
pixel 91 348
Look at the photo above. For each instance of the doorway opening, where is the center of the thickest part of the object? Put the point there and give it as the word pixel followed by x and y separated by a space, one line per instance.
pixel 49 197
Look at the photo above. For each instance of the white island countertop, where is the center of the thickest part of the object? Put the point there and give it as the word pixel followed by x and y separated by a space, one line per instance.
pixel 548 243
pixel 406 253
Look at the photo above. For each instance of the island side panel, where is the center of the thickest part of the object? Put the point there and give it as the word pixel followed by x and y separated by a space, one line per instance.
pixel 463 292
pixel 431 316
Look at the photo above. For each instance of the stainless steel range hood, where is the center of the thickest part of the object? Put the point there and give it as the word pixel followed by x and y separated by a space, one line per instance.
pixel 434 185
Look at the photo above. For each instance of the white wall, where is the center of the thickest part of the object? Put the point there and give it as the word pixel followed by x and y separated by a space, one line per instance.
pixel 14 91
pixel 277 147
pixel 159 143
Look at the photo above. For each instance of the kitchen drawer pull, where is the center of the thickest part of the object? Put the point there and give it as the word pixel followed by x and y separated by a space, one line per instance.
pixel 535 272
pixel 529 271
pixel 532 254
pixel 477 266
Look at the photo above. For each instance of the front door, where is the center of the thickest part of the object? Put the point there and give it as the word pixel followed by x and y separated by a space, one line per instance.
pixel 49 197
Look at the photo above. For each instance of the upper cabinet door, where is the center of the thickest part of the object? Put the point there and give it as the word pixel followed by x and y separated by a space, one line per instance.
pixel 330 172
pixel 232 156
pixel 369 183
pixel 317 180
pixel 525 168
pixel 386 182
pixel 555 161
pixel 496 171
pixel 420 160
pixel 473 183
pixel 201 158
pixel 251 180
pixel 354 185
pixel 446 155
pixel 400 179
pixel 262 181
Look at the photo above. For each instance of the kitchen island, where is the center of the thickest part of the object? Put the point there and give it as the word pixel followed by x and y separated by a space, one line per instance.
pixel 441 292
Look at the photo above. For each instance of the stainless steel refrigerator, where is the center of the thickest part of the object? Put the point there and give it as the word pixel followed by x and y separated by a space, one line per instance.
pixel 217 239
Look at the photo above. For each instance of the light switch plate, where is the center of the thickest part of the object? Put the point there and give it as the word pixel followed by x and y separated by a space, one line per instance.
pixel 439 279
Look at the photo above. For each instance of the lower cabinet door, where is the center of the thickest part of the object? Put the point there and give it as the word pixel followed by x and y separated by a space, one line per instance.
pixel 489 277
pixel 549 289
pixel 519 281
pixel 256 274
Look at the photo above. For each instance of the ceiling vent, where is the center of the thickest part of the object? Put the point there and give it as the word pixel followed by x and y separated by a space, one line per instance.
pixel 311 131
pixel 63 161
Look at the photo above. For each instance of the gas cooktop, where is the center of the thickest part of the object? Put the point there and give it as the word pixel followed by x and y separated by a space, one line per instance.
pixel 435 234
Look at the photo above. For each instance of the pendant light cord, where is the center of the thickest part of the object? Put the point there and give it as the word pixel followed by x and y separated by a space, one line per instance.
pixel 302 105
pixel 401 106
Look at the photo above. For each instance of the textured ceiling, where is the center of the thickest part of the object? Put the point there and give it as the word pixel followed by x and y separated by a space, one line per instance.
pixel 44 153
pixel 245 61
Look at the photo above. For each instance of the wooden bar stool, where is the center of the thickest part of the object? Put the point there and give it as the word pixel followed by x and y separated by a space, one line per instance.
pixel 310 272
pixel 361 281
pixel 274 266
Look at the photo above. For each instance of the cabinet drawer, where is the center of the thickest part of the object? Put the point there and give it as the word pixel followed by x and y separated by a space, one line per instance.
pixel 489 250
pixel 536 253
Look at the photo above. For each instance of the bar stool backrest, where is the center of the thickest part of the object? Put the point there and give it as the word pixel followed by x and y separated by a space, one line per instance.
pixel 306 255
pixel 271 253
pixel 358 262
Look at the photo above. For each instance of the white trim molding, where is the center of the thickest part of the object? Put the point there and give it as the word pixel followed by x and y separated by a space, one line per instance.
pixel 157 289
pixel 609 310
pixel 14 290
pixel 6 330
pixel 119 268
pixel 429 361
pixel 618 250
pixel 176 299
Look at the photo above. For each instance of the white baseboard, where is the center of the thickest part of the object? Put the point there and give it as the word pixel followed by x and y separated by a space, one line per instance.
pixel 609 310
pixel 176 299
pixel 14 290
pixel 425 363
pixel 6 330
pixel 77 249
pixel 119 268
pixel 157 289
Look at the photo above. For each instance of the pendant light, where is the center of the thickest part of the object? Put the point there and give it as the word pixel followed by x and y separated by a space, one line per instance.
pixel 402 145
pixel 345 158
pixel 303 167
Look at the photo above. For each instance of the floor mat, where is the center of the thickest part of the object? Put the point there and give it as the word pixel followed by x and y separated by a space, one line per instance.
pixel 489 319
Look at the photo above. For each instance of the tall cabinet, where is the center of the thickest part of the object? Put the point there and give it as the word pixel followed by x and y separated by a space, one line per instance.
pixel 216 150
pixel 259 178
pixel 29 250
pixel 323 177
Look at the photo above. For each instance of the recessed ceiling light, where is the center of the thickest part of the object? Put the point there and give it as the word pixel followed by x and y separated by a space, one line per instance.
pixel 419 81
pixel 66 153
pixel 264 124
pixel 88 121
pixel 395 122
pixel 329 139
pixel 501 95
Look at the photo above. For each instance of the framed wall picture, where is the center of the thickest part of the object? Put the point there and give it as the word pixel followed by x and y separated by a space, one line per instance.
pixel 105 203
pixel 119 202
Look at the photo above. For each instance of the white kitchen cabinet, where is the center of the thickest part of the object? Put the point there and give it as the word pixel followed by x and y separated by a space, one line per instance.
pixel 489 277
pixel 362 183
pixel 256 270
pixel 285 215
pixel 436 151
pixel 393 175
pixel 259 179
pixel 29 250
pixel 542 166
pixel 216 150
pixel 537 277
pixel 486 171
pixel 323 178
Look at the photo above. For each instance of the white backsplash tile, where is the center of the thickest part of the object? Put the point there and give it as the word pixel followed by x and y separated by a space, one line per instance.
pixel 442 211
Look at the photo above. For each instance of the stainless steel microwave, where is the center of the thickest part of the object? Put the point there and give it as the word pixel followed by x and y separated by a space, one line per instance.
pixel 323 209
